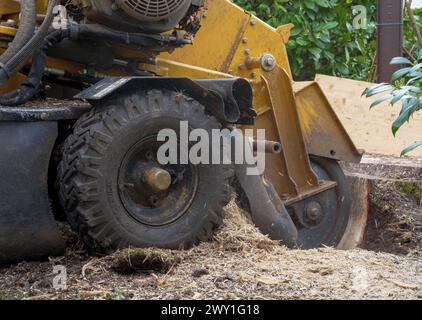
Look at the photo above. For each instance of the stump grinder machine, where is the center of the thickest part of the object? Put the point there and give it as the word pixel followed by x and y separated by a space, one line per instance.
pixel 87 85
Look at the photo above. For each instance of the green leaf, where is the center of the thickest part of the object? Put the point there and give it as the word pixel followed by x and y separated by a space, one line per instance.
pixel 372 91
pixel 400 60
pixel 420 54
pixel 310 4
pixel 399 122
pixel 380 100
pixel 316 52
pixel 406 112
pixel 415 78
pixel 347 54
pixel 343 69
pixel 397 98
pixel 295 32
pixel 400 73
pixel 327 26
pixel 323 3
pixel 330 56
pixel 399 95
pixel 301 42
pixel 411 148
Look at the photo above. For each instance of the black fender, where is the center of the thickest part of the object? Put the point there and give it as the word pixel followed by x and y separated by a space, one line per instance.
pixel 229 100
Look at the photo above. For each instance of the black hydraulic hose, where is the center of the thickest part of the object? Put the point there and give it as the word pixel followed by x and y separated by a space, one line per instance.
pixel 42 40
pixel 15 64
pixel 25 32
pixel 31 86
pixel 98 32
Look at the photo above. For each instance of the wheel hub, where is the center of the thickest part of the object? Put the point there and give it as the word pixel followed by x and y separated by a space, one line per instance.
pixel 157 179
pixel 320 218
pixel 314 212
pixel 151 193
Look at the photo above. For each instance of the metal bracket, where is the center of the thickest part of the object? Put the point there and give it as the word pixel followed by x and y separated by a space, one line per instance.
pixel 297 165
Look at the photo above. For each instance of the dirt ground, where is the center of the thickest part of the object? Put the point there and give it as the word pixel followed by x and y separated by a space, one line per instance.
pixel 241 263
pixel 396 218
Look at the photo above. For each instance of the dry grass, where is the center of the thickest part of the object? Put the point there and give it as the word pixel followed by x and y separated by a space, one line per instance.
pixel 134 261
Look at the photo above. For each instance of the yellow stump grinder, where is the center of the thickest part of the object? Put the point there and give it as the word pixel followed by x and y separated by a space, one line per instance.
pixel 87 88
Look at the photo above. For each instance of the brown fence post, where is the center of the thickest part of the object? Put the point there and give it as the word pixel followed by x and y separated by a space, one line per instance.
pixel 390 35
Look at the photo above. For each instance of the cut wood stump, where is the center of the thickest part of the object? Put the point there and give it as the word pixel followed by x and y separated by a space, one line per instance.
pixel 360 189
pixel 404 173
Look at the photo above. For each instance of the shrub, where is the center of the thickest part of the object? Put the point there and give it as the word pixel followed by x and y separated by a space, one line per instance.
pixel 407 89
pixel 324 39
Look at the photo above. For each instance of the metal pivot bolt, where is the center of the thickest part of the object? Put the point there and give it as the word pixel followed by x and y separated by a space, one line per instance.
pixel 157 179
pixel 268 62
pixel 314 211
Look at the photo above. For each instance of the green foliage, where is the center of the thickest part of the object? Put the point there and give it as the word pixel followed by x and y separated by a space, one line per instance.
pixel 412 189
pixel 409 149
pixel 323 40
pixel 407 89
pixel 410 41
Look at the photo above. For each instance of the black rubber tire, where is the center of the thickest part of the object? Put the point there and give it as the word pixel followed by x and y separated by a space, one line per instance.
pixel 91 159
pixel 332 236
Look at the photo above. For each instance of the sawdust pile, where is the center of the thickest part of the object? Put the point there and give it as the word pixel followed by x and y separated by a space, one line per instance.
pixel 240 264
pixel 239 234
